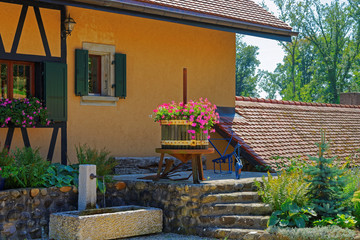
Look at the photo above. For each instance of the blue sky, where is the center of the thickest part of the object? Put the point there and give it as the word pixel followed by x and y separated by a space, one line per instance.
pixel 270 53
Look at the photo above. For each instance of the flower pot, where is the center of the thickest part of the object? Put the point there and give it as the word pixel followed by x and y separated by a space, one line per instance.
pixel 175 135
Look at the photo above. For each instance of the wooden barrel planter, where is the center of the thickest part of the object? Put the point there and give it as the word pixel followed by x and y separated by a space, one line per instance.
pixel 175 135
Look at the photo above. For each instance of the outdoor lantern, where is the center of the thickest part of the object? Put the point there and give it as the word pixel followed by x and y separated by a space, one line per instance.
pixel 69 24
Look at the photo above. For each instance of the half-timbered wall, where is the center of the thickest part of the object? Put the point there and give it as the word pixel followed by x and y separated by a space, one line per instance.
pixel 30 33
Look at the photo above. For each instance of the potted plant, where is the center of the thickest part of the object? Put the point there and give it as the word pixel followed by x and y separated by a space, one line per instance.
pixel 186 126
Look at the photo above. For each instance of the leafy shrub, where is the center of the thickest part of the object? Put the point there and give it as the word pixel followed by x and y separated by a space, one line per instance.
pixel 291 215
pixel 318 233
pixel 287 185
pixel 340 220
pixel 327 183
pixel 290 164
pixel 27 170
pixel 6 159
pixel 261 168
pixel 356 209
pixel 104 164
pixel 352 177
pixel 59 175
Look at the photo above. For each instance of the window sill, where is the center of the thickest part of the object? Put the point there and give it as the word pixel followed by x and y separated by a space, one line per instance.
pixel 99 100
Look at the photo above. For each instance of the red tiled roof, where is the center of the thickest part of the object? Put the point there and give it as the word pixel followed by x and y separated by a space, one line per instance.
pixel 241 10
pixel 269 128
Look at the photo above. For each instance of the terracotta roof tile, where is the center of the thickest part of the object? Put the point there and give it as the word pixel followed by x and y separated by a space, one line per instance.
pixel 270 128
pixel 241 10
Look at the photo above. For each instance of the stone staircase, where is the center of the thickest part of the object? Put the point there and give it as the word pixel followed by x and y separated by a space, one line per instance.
pixel 237 214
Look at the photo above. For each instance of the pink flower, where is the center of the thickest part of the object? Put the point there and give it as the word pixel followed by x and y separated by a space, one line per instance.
pixel 193 124
pixel 193 137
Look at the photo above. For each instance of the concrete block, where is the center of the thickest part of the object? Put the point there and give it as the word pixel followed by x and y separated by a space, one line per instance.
pixel 87 187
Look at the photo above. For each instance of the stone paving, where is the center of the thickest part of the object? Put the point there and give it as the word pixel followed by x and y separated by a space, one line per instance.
pixel 170 236
pixel 209 175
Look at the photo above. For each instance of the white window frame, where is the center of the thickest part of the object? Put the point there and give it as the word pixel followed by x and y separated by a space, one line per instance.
pixel 107 53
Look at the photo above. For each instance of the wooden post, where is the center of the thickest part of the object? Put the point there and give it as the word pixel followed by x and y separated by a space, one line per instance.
pixel 185 85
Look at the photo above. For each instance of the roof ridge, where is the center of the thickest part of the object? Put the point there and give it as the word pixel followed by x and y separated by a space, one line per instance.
pixel 274 101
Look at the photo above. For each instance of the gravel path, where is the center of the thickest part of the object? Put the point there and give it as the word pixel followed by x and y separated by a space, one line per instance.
pixel 168 236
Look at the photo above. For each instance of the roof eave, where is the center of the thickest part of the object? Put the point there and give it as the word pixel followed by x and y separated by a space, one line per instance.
pixel 152 11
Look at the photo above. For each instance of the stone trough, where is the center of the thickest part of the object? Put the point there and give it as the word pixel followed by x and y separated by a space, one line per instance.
pixel 89 223
pixel 106 223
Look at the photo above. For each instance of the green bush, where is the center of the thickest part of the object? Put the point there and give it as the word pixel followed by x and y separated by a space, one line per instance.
pixel 356 209
pixel 59 175
pixel 27 169
pixel 6 159
pixel 290 164
pixel 318 233
pixel 104 164
pixel 291 215
pixel 340 220
pixel 287 185
pixel 352 177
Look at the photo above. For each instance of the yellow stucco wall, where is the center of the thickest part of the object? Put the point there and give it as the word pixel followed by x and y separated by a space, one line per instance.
pixel 156 52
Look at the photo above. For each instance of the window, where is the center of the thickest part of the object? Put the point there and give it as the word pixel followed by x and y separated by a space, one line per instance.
pixel 17 79
pixel 100 74
pixel 95 74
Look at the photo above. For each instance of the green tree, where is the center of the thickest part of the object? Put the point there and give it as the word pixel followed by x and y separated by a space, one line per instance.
pixel 246 64
pixel 320 62
pixel 327 183
pixel 270 83
pixel 333 30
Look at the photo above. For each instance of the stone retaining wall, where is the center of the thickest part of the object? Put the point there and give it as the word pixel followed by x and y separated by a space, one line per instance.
pixel 182 204
pixel 24 213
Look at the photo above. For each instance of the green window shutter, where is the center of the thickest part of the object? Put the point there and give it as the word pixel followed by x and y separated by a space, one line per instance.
pixel 81 72
pixel 55 75
pixel 120 75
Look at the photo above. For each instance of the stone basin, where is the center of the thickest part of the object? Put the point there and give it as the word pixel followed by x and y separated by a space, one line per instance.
pixel 105 223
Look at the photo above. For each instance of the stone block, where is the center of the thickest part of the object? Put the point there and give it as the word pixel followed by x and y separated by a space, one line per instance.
pixel 107 223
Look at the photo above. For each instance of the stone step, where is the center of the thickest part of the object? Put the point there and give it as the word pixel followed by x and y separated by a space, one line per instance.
pixel 224 186
pixel 240 221
pixel 236 208
pixel 234 233
pixel 239 197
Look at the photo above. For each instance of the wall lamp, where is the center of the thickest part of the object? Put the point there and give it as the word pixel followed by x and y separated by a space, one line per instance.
pixel 69 25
